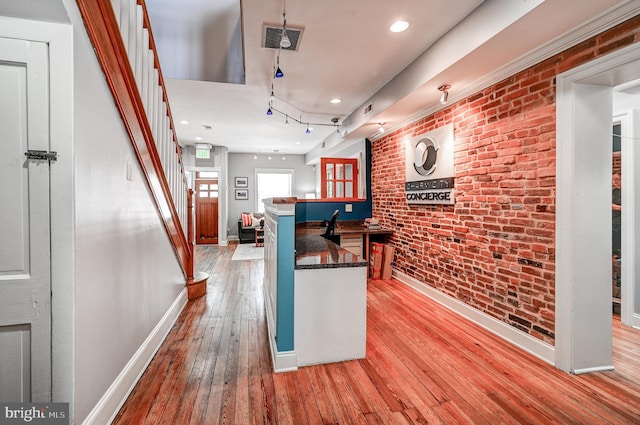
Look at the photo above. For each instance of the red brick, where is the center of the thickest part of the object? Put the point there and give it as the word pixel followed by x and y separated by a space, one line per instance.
pixel 505 162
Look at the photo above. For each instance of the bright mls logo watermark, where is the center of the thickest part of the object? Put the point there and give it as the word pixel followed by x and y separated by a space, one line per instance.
pixel 34 413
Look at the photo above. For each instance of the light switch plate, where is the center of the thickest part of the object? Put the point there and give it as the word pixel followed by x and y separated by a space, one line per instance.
pixel 129 170
pixel 348 208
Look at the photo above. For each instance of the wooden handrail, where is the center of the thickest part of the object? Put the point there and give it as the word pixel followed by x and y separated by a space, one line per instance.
pixel 105 36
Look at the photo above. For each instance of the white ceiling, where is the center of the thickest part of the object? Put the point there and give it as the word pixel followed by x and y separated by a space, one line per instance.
pixel 346 51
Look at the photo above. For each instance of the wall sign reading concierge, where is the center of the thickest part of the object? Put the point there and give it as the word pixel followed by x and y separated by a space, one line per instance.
pixel 429 168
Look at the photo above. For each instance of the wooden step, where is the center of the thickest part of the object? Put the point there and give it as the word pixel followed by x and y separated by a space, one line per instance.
pixel 197 286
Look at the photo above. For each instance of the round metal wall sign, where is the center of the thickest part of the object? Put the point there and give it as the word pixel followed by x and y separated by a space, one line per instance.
pixel 425 155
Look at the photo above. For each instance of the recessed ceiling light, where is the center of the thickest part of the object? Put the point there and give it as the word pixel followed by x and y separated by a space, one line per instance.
pixel 399 26
pixel 335 100
pixel 198 138
pixel 184 122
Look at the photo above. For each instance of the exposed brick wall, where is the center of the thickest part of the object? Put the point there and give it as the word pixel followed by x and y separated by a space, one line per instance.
pixel 495 248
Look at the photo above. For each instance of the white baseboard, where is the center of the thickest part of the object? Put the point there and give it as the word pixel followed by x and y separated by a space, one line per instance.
pixel 282 361
pixel 285 361
pixel 592 369
pixel 540 349
pixel 108 406
pixel 636 321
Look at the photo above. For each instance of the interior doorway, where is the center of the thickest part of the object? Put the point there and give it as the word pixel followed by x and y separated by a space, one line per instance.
pixel 616 218
pixel 584 218
pixel 25 255
pixel 627 103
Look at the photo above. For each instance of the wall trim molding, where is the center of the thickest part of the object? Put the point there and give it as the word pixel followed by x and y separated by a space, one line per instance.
pixel 532 345
pixel 108 406
pixel 285 361
pixel 592 369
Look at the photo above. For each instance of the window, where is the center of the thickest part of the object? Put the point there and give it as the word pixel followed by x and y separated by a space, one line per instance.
pixel 207 175
pixel 339 178
pixel 272 183
pixel 207 184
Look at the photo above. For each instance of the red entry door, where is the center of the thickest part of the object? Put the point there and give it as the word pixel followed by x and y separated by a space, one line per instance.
pixel 207 191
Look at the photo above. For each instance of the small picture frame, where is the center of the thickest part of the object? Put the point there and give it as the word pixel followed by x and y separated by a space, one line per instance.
pixel 242 182
pixel 242 194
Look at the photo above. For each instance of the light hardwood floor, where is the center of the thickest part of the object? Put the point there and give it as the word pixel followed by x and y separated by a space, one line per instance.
pixel 424 365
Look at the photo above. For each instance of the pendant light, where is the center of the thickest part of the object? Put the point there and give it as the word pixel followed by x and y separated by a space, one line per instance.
pixel 285 43
pixel 279 73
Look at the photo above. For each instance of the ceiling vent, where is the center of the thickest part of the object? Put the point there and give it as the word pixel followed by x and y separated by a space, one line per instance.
pixel 272 34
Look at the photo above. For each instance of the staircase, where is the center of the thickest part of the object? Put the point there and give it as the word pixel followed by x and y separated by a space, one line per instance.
pixel 121 36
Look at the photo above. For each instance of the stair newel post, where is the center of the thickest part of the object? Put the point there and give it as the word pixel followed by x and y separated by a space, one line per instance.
pixel 196 282
pixel 191 265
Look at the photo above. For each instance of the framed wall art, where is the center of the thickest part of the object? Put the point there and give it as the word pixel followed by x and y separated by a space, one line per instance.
pixel 242 194
pixel 242 182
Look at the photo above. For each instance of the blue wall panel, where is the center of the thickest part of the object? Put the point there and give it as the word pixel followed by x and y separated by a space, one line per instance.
pixel 318 211
pixel 286 265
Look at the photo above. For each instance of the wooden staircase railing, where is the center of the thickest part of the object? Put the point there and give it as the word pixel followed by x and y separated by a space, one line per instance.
pixel 121 35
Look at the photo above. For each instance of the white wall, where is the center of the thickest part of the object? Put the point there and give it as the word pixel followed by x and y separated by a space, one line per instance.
pixel 244 165
pixel 126 272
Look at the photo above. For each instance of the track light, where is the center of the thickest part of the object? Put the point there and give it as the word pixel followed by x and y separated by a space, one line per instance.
pixel 286 120
pixel 381 127
pixel 269 111
pixel 445 93
pixel 279 73
pixel 284 41
pixel 308 129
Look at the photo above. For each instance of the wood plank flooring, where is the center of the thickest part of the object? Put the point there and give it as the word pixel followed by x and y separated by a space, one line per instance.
pixel 424 365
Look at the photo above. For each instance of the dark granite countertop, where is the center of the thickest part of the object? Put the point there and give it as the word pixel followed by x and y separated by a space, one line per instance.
pixel 313 251
pixel 342 228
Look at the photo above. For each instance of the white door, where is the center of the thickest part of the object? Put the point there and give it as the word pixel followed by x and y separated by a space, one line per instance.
pixel 25 276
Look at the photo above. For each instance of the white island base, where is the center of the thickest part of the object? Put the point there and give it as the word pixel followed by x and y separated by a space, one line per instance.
pixel 330 311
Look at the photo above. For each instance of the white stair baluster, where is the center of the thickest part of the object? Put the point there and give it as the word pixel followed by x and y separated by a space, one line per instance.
pixel 145 67
pixel 136 39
